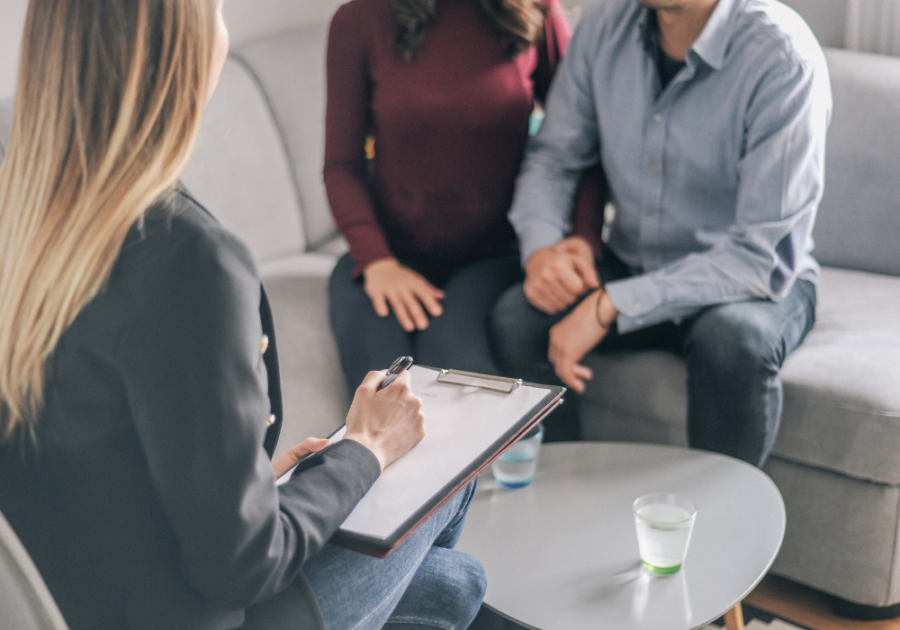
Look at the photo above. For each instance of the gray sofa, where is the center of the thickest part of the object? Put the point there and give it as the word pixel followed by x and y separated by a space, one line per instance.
pixel 837 459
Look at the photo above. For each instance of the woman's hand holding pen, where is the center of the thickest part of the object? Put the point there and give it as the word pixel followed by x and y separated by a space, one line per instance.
pixel 393 287
pixel 388 422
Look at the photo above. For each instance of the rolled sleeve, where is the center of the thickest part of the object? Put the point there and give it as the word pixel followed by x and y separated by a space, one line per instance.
pixel 567 145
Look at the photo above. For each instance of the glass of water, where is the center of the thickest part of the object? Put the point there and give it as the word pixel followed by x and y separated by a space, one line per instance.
pixel 515 467
pixel 664 522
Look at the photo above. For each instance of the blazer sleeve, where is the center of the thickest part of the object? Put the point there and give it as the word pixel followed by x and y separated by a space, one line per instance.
pixel 196 387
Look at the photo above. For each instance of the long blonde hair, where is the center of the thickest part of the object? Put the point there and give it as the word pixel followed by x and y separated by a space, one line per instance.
pixel 107 110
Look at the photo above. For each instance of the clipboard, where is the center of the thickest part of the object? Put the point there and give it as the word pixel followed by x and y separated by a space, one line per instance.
pixel 470 419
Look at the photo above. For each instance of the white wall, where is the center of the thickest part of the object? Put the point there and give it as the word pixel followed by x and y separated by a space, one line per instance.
pixel 827 19
pixel 247 20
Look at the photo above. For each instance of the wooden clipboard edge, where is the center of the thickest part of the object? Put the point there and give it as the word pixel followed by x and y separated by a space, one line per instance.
pixel 383 547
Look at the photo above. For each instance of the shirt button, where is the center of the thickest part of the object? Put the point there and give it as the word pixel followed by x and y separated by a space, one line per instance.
pixel 639 321
pixel 636 305
pixel 264 344
pixel 649 211
pixel 657 117
pixel 654 163
pixel 271 420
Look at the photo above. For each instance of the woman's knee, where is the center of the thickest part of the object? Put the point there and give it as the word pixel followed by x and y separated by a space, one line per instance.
pixel 446 592
pixel 469 582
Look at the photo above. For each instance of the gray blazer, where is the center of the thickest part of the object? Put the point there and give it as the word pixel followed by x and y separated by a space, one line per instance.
pixel 145 495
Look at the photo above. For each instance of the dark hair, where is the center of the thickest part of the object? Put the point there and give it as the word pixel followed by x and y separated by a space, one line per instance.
pixel 520 21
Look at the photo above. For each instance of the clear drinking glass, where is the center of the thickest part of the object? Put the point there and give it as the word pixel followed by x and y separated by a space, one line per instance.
pixel 664 522
pixel 515 467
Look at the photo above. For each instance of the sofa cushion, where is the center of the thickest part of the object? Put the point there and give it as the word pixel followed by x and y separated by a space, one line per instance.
pixel 841 534
pixel 841 386
pixel 858 220
pixel 319 263
pixel 240 172
pixel 291 70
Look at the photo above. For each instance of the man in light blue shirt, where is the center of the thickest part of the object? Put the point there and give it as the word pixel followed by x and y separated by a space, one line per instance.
pixel 709 118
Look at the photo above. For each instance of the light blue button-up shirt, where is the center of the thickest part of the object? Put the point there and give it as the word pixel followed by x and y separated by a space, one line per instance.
pixel 715 179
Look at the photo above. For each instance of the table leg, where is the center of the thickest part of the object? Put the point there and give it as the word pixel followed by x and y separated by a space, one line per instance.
pixel 734 618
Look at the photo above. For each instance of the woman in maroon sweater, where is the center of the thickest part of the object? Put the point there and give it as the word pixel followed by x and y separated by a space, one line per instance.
pixel 446 89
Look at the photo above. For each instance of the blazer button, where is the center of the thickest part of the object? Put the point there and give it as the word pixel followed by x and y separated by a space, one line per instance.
pixel 271 420
pixel 264 344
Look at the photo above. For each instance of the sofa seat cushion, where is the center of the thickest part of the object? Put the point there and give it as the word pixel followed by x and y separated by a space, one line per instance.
pixel 309 265
pixel 841 386
pixel 318 263
pixel 313 389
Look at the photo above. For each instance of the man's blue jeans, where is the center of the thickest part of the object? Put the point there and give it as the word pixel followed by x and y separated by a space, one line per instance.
pixel 733 353
pixel 422 584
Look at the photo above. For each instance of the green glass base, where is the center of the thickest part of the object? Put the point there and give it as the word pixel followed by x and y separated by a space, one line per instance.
pixel 661 570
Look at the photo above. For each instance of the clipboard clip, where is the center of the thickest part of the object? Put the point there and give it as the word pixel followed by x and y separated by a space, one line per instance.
pixel 484 381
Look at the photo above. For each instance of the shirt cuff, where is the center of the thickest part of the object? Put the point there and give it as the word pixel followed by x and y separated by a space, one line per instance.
pixel 633 298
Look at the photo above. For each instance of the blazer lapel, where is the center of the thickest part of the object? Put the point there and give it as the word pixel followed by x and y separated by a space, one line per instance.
pixel 270 358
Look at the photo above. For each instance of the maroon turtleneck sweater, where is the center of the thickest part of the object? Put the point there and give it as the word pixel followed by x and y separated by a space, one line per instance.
pixel 450 129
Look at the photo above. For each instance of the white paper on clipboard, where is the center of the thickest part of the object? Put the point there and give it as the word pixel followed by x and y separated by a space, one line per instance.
pixel 461 423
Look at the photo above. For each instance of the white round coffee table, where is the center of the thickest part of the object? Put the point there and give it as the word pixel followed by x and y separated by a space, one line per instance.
pixel 562 554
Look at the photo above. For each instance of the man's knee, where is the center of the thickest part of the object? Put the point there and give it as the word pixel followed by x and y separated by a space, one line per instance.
pixel 738 338
pixel 518 330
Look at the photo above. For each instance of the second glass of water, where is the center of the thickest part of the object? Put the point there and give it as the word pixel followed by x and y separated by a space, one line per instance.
pixel 664 522
pixel 516 466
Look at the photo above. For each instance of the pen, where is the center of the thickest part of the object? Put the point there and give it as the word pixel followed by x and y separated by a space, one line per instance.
pixel 395 370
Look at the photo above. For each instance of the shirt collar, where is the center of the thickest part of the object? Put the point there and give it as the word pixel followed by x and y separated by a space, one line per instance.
pixel 713 41
pixel 716 35
pixel 647 27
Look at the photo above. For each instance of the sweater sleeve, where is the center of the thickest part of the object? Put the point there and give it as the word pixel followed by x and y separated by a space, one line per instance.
pixel 551 48
pixel 196 386
pixel 347 120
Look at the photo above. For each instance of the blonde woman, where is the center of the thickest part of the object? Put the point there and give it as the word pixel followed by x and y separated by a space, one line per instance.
pixel 134 395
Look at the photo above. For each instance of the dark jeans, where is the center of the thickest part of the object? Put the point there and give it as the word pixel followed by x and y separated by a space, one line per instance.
pixel 457 339
pixel 733 353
